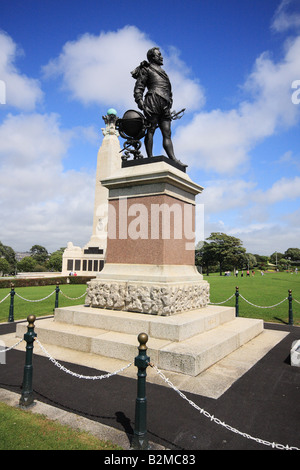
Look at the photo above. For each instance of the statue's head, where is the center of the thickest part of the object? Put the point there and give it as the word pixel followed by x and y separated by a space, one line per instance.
pixel 154 56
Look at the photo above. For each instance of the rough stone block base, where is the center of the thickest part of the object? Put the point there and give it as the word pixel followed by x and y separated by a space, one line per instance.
pixel 156 290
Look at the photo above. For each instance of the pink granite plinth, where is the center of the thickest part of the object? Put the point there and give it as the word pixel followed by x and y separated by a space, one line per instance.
pixel 150 258
pixel 151 230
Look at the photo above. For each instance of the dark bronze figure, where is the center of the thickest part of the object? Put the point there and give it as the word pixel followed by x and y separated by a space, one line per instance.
pixel 157 103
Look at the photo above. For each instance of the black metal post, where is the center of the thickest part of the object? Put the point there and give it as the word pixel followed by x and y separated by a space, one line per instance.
pixel 11 305
pixel 26 398
pixel 237 301
pixel 140 438
pixel 56 294
pixel 290 298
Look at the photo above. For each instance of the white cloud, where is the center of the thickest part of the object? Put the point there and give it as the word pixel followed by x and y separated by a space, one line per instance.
pixel 39 201
pixel 22 92
pixel 267 238
pixel 251 214
pixel 187 92
pixel 284 189
pixel 224 195
pixel 96 69
pixel 221 140
pixel 213 141
pixel 286 16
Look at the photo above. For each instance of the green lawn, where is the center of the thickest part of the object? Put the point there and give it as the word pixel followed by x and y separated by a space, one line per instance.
pixel 23 308
pixel 22 430
pixel 260 290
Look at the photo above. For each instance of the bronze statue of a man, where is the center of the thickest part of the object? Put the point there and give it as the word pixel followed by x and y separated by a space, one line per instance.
pixel 157 103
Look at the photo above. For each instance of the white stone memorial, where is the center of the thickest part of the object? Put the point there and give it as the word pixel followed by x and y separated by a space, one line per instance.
pixel 89 260
pixel 149 282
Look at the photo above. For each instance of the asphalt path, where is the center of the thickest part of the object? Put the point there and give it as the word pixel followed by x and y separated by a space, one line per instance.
pixel 263 404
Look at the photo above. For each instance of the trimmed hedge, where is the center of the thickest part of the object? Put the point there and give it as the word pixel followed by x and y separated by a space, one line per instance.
pixel 44 281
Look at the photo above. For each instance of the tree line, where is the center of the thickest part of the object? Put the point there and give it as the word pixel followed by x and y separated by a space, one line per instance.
pixel 38 260
pixel 221 252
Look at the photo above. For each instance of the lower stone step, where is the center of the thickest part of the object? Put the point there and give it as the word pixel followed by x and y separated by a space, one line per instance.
pixel 190 356
pixel 175 327
pixel 194 355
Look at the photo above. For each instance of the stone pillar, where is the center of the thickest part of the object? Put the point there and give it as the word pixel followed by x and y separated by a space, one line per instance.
pixel 150 265
pixel 90 259
pixel 108 163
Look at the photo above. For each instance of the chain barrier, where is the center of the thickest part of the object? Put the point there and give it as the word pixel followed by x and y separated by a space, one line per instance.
pixel 38 300
pixel 11 347
pixel 259 306
pixel 72 298
pixel 219 303
pixel 4 298
pixel 296 301
pixel 80 376
pixel 44 298
pixel 12 293
pixel 218 421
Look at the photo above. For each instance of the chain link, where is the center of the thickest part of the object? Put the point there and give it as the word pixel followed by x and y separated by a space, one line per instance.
pixel 181 394
pixel 4 298
pixel 72 298
pixel 219 303
pixel 218 421
pixel 11 347
pixel 80 376
pixel 259 306
pixel 39 300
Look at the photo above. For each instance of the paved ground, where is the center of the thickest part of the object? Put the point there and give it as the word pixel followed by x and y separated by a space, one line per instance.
pixel 263 403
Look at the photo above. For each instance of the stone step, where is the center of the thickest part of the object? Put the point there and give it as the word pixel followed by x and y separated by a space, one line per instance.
pixel 189 356
pixel 194 355
pixel 175 328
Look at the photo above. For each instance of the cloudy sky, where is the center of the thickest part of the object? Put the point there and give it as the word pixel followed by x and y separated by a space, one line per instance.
pixel 234 66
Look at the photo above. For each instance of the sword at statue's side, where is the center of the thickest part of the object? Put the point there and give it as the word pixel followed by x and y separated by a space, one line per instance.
pixel 175 115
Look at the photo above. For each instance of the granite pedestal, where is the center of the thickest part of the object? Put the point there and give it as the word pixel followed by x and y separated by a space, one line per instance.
pixel 149 282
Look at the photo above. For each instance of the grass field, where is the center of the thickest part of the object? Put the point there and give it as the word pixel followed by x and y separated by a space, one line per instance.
pixel 23 308
pixel 263 291
pixel 266 290
pixel 22 430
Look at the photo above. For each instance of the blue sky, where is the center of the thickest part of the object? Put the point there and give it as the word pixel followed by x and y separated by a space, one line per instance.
pixel 232 64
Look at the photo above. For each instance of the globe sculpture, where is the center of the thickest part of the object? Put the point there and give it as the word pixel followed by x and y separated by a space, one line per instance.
pixel 132 127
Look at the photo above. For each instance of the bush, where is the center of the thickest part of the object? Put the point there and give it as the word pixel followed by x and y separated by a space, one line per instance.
pixel 45 281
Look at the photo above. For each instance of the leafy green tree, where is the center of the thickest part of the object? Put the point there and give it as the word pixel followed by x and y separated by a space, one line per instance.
pixel 27 264
pixel 293 254
pixel 39 254
pixel 204 256
pixel 250 260
pixel 226 250
pixel 276 257
pixel 8 253
pixel 55 260
pixel 262 261
pixel 4 266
